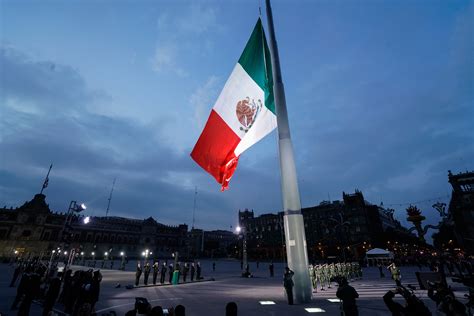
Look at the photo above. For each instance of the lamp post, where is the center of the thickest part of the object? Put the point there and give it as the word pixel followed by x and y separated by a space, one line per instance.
pixel 122 265
pixel 73 207
pixel 50 262
pixel 145 254
pixel 15 255
pixel 239 230
pixel 82 257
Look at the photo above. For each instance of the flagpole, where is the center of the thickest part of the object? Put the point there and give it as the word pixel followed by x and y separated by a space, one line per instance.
pixel 46 180
pixel 293 219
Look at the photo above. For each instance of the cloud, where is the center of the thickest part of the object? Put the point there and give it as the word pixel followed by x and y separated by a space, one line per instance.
pixel 195 19
pixel 88 150
pixel 202 100
pixel 165 60
pixel 42 86
pixel 180 34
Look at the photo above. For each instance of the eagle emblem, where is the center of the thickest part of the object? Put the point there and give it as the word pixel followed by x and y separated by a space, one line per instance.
pixel 247 111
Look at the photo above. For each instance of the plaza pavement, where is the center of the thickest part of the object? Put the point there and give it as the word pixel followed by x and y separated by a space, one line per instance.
pixel 210 298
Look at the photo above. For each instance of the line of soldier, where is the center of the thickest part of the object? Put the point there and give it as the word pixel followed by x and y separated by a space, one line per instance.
pixel 324 274
pixel 193 269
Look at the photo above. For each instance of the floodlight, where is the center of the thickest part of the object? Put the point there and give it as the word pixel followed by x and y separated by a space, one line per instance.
pixel 315 310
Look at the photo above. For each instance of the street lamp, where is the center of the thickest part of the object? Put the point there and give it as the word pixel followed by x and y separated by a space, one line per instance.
pixel 239 229
pixel 50 261
pixel 145 254
pixel 73 207
pixel 122 266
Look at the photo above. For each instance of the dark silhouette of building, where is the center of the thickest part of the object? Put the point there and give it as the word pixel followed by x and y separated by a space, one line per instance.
pixel 214 243
pixel 343 229
pixel 33 229
pixel 461 208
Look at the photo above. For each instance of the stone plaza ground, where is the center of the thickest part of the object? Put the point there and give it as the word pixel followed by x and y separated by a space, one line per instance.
pixel 210 298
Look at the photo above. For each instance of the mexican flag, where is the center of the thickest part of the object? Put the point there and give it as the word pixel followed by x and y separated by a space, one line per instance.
pixel 243 114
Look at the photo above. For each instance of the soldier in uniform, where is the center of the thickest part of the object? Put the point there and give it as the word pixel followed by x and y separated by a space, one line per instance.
pixel 156 268
pixel 311 274
pixel 147 273
pixel 185 272
pixel 193 270
pixel 138 274
pixel 319 276
pixel 348 271
pixel 163 273
pixel 395 271
pixel 198 271
pixel 327 279
pixel 170 273
pixel 359 270
pixel 353 271
pixel 336 270
pixel 288 284
pixel 332 273
pixel 177 268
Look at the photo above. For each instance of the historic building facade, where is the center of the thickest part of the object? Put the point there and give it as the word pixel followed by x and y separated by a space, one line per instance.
pixel 461 208
pixel 211 244
pixel 344 228
pixel 33 229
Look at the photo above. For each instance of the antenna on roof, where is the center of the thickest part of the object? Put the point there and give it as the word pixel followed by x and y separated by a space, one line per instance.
pixel 110 198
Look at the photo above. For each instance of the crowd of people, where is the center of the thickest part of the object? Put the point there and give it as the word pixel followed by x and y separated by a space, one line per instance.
pixel 143 307
pixel 325 274
pixel 77 291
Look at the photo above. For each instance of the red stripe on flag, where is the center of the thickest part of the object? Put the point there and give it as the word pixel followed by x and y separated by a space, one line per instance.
pixel 214 150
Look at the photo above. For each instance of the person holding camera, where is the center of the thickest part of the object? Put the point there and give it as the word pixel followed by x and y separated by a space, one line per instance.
pixel 348 295
pixel 445 300
pixel 413 305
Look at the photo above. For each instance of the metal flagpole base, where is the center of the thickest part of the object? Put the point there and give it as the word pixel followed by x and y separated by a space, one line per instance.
pixel 297 255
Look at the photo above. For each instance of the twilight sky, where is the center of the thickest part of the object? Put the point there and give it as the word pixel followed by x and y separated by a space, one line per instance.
pixel 380 98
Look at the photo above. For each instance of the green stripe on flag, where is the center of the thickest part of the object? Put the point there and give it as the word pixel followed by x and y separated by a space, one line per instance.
pixel 257 63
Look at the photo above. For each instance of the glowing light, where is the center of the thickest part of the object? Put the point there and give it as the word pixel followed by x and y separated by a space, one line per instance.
pixel 93 253
pixel 143 253
pixel 82 253
pixel 334 300
pixel 238 229
pixel 267 302
pixel 315 310
pixel 65 253
pixel 83 206
pixel 87 219
pixel 16 252
pixel 122 253
pixel 106 253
